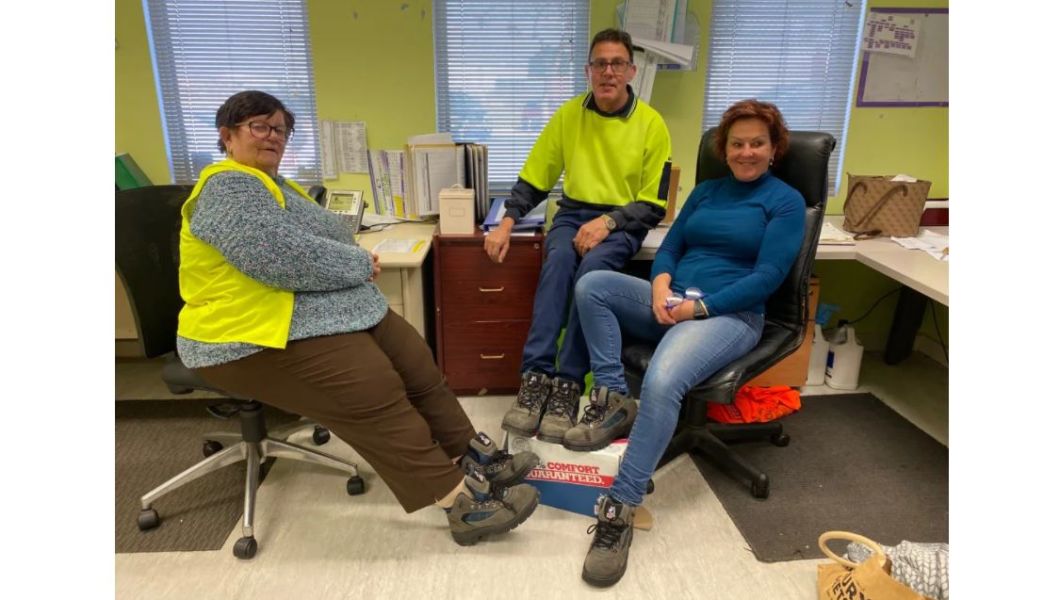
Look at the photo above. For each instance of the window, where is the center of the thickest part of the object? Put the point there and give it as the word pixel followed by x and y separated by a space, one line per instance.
pixel 797 55
pixel 206 50
pixel 502 67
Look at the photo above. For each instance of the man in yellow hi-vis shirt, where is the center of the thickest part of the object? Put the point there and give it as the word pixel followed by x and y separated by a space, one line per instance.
pixel 613 151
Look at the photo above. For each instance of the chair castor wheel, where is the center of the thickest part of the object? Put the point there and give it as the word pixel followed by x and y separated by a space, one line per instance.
pixel 148 519
pixel 321 435
pixel 760 487
pixel 651 486
pixel 780 439
pixel 246 547
pixel 354 485
pixel 211 447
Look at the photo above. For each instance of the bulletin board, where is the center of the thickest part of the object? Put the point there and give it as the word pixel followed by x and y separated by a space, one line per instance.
pixel 909 65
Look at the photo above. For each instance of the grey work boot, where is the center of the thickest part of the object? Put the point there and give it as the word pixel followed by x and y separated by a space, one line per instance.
pixel 486 512
pixel 499 467
pixel 524 416
pixel 608 416
pixel 606 561
pixel 561 410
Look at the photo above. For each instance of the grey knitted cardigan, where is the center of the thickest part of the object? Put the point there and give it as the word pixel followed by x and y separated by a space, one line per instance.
pixel 302 248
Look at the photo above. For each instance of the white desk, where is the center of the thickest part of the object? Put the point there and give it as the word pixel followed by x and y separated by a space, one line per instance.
pixel 401 279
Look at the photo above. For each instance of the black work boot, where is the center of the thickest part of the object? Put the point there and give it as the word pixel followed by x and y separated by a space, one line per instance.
pixel 524 416
pixel 561 410
pixel 499 467
pixel 608 416
pixel 606 561
pixel 487 511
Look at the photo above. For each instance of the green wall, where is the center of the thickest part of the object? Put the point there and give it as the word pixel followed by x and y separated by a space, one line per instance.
pixel 374 61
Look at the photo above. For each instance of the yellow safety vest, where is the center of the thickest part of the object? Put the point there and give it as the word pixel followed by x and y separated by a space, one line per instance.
pixel 221 304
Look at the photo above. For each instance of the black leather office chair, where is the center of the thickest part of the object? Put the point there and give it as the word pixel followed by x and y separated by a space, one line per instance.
pixel 147 236
pixel 805 168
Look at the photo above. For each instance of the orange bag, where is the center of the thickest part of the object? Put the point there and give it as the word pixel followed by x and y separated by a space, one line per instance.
pixel 755 404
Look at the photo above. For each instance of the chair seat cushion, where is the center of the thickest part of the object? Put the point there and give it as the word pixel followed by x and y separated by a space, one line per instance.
pixel 181 380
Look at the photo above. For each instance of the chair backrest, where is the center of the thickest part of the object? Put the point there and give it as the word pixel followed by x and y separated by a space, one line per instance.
pixel 147 257
pixel 805 168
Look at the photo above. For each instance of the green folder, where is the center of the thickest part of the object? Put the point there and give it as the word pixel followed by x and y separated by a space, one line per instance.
pixel 128 174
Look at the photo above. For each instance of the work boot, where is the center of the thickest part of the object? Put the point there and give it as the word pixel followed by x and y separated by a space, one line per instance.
pixel 608 416
pixel 499 467
pixel 561 410
pixel 606 561
pixel 524 416
pixel 487 511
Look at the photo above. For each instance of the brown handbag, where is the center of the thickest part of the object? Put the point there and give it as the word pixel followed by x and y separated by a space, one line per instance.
pixel 869 580
pixel 876 205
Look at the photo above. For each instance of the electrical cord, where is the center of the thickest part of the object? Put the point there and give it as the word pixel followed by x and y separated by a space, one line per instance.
pixel 874 305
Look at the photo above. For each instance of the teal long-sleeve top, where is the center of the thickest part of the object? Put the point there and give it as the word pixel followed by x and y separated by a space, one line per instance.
pixel 735 241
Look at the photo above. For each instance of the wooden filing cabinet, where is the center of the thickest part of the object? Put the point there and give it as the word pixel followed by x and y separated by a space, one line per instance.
pixel 793 369
pixel 483 310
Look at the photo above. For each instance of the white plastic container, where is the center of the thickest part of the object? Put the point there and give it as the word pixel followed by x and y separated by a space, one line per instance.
pixel 818 357
pixel 844 360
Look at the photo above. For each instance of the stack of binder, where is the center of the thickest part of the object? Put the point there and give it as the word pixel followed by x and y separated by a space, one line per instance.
pixel 531 221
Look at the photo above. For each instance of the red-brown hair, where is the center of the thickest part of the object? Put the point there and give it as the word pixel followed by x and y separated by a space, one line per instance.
pixel 753 109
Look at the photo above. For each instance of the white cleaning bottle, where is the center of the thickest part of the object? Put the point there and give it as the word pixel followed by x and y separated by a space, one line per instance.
pixel 844 360
pixel 818 357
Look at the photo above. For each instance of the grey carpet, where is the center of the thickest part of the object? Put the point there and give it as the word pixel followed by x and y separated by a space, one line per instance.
pixel 853 464
pixel 153 441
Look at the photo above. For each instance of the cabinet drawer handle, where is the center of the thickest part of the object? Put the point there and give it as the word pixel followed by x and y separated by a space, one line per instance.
pixel 491 290
pixel 491 356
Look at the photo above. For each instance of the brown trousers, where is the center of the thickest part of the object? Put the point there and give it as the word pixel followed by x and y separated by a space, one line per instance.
pixel 378 390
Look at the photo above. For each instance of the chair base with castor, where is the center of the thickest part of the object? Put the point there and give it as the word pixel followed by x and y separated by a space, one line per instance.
pixel 252 445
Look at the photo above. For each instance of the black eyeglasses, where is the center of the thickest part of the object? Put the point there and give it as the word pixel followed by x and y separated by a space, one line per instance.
pixel 262 130
pixel 618 66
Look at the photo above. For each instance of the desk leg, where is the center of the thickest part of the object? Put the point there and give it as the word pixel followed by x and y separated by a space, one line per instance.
pixel 908 315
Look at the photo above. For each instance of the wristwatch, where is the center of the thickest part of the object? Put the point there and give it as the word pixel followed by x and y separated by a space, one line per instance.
pixel 609 221
pixel 699 310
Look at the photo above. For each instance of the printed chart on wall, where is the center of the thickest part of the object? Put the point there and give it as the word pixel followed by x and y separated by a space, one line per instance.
pixel 905 58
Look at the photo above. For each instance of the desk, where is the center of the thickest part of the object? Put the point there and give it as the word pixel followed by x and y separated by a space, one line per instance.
pixel 401 279
pixel 921 276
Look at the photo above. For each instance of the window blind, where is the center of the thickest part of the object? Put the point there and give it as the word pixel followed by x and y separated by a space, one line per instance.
pixel 502 67
pixel 797 54
pixel 206 50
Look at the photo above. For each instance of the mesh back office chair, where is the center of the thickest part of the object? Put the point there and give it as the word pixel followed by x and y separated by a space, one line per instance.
pixel 147 229
pixel 805 168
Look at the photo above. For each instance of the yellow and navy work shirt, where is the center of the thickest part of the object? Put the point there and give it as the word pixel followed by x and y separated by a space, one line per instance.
pixel 616 162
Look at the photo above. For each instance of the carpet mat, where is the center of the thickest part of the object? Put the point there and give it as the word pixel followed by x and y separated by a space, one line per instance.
pixel 853 464
pixel 157 439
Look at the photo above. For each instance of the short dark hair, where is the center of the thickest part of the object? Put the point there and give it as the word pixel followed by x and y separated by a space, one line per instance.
pixel 248 104
pixel 753 109
pixel 613 35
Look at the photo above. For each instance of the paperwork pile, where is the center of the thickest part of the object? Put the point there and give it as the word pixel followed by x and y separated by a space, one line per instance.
pixel 935 244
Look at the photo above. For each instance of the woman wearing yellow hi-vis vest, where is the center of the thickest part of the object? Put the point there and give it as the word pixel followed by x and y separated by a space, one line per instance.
pixel 280 306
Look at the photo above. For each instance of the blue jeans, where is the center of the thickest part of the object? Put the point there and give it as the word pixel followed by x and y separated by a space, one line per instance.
pixel 561 268
pixel 611 305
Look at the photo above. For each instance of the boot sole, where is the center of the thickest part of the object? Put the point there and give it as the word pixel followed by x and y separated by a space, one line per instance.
pixel 470 538
pixel 603 581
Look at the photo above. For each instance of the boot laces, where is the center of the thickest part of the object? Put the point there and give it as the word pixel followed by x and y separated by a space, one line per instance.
pixel 595 411
pixel 563 401
pixel 532 395
pixel 607 535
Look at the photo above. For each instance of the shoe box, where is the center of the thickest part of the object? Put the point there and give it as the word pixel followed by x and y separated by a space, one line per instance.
pixel 566 479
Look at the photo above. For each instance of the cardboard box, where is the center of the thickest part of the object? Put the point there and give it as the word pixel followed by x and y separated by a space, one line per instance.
pixel 456 211
pixel 570 480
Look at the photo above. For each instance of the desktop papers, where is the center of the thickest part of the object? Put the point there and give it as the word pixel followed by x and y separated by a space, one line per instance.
pixel 935 244
pixel 397 246
pixel 834 236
